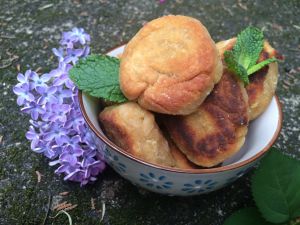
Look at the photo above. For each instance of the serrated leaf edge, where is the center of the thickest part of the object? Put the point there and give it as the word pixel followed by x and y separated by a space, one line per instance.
pixel 252 187
pixel 93 58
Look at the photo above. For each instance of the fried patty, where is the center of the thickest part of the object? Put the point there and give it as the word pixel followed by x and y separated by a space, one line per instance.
pixel 218 128
pixel 170 65
pixel 134 129
pixel 262 83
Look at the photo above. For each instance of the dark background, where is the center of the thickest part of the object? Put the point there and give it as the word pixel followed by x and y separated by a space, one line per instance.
pixel 28 32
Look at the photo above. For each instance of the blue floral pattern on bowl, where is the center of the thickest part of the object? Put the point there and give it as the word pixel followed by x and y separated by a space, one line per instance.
pixel 153 181
pixel 199 186
pixel 161 183
pixel 115 162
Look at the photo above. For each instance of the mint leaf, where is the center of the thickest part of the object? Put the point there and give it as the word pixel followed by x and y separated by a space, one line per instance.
pixel 235 67
pixel 98 75
pixel 248 46
pixel 260 65
pixel 241 60
pixel 247 216
pixel 276 187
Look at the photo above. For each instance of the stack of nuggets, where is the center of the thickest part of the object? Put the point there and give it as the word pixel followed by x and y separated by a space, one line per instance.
pixel 174 68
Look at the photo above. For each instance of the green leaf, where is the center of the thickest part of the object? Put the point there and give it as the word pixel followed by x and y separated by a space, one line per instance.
pixel 235 67
pixel 276 187
pixel 248 47
pixel 242 59
pixel 98 75
pixel 260 65
pixel 247 216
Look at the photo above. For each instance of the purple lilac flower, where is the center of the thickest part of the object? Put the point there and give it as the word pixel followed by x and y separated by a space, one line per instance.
pixel 41 125
pixel 74 143
pixel 39 81
pixel 71 153
pixel 59 53
pixel 71 38
pixel 62 76
pixel 87 138
pixel 48 112
pixel 75 98
pixel 73 55
pixel 89 153
pixel 46 95
pixel 63 94
pixel 62 69
pixel 69 160
pixel 34 109
pixel 81 36
pixel 93 167
pixel 23 79
pixel 59 112
pixel 33 136
pixel 58 129
pixel 24 94
pixel 57 133
pixel 51 151
pixel 75 121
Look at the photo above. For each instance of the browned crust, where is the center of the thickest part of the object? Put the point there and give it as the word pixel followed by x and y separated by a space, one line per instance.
pixel 256 86
pixel 260 102
pixel 217 129
pixel 169 54
pixel 134 129
pixel 115 131
pixel 228 96
pixel 181 161
pixel 262 83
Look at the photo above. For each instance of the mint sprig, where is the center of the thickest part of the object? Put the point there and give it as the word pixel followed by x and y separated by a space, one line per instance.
pixel 98 75
pixel 242 59
pixel 235 67
pixel 276 191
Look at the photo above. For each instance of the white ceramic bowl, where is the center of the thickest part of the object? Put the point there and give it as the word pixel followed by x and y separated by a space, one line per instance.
pixel 262 133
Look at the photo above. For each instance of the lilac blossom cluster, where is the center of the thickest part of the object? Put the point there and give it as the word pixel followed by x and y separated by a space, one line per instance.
pixel 57 127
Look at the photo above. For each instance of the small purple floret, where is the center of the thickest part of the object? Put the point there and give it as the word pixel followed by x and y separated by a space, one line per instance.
pixel 24 94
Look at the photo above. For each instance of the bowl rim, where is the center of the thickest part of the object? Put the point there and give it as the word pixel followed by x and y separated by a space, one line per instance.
pixel 178 170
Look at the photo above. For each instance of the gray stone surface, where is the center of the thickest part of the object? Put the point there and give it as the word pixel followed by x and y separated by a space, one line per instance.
pixel 28 31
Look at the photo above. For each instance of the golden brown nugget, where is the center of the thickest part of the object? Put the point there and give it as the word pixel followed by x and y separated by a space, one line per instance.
pixel 218 128
pixel 134 129
pixel 170 65
pixel 262 83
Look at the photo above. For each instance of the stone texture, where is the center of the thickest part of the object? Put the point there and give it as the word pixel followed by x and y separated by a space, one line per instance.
pixel 29 29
